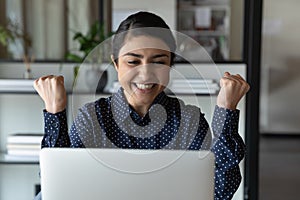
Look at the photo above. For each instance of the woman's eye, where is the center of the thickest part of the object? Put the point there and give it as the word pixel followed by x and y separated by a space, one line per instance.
pixel 133 62
pixel 159 62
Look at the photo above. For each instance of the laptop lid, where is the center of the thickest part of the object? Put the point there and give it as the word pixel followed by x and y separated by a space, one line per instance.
pixel 114 174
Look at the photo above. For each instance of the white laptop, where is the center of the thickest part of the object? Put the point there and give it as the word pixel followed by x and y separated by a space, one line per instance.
pixel 119 174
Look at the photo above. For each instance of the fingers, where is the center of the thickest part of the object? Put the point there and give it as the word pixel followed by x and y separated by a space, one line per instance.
pixel 59 79
pixel 237 79
pixel 51 89
pixel 233 88
pixel 244 85
pixel 234 77
pixel 229 79
pixel 47 83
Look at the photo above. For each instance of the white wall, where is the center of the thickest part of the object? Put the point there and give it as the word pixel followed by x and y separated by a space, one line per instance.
pixel 166 8
pixel 280 76
pixel 18 182
pixel 236 30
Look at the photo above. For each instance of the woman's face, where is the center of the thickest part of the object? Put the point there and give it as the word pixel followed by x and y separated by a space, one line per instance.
pixel 143 69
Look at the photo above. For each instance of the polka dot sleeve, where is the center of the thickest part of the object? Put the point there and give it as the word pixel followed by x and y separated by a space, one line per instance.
pixel 226 136
pixel 56 130
pixel 229 150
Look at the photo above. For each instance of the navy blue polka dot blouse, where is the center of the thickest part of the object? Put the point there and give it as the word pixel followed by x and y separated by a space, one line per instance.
pixel 169 124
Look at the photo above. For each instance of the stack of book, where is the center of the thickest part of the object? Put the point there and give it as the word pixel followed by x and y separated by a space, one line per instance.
pixel 194 86
pixel 23 145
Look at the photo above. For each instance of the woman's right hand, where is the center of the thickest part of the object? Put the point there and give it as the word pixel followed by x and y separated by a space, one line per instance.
pixel 52 90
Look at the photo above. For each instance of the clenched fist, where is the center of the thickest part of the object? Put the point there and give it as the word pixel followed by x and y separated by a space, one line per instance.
pixel 52 90
pixel 233 88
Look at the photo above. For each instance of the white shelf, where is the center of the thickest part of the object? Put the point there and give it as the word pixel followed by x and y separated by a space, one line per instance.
pixel 16 85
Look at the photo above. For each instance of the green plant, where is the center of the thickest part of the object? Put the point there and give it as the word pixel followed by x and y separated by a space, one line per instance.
pixel 5 36
pixel 87 42
pixel 11 31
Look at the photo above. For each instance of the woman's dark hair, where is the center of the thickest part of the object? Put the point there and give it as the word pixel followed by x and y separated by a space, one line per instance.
pixel 144 23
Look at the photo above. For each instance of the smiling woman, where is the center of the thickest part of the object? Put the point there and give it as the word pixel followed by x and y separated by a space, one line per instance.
pixel 143 51
pixel 140 115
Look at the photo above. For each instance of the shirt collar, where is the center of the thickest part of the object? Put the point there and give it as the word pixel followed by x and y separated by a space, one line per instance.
pixel 121 109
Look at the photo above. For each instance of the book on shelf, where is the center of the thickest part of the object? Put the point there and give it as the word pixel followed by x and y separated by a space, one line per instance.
pixel 21 146
pixel 20 158
pixel 209 86
pixel 193 91
pixel 24 144
pixel 23 152
pixel 192 81
pixel 25 138
pixel 194 86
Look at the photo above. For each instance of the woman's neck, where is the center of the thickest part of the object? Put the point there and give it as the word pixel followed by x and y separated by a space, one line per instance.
pixel 142 110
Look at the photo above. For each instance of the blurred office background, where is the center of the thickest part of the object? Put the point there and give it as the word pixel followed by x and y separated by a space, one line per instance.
pixel 219 26
pixel 279 154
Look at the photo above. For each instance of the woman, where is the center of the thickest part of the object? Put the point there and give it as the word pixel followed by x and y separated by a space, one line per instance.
pixel 140 115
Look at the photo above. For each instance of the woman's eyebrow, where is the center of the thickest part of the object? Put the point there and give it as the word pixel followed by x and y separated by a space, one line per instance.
pixel 134 55
pixel 160 55
pixel 141 56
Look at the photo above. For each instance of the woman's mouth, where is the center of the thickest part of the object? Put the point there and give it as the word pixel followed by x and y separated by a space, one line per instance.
pixel 142 86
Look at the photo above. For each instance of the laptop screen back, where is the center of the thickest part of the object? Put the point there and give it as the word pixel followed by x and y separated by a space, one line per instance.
pixel 114 174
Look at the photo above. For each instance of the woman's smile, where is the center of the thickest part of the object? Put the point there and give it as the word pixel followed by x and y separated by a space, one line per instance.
pixel 142 86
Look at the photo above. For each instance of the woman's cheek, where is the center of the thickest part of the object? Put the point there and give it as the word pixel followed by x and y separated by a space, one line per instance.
pixel 163 74
pixel 126 74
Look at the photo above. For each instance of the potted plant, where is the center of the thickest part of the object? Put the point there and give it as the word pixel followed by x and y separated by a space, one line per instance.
pixel 10 32
pixel 87 43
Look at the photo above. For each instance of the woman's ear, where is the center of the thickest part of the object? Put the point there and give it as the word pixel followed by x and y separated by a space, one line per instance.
pixel 113 61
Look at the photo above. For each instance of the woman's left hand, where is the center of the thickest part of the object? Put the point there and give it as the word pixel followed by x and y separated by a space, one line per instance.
pixel 233 88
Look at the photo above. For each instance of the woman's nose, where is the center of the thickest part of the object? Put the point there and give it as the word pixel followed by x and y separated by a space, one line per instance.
pixel 146 71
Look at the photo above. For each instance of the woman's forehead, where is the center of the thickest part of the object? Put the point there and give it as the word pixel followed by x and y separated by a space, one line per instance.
pixel 136 43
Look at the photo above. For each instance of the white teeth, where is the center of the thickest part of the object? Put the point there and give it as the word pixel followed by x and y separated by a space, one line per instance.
pixel 144 86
